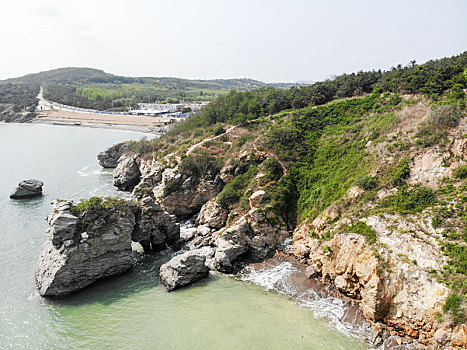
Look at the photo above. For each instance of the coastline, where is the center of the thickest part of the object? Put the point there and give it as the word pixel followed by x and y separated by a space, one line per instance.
pixel 120 127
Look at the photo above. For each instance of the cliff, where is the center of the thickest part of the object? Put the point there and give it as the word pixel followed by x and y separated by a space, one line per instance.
pixel 372 197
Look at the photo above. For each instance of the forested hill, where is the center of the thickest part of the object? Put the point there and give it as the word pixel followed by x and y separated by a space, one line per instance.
pixel 93 88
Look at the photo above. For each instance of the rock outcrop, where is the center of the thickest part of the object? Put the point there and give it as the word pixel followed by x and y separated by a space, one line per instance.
pixel 92 241
pixel 109 157
pixel 84 248
pixel 183 269
pixel 127 175
pixel 28 189
pixel 155 227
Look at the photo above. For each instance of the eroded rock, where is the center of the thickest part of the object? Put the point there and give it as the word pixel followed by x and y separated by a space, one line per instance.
pixel 183 270
pixel 109 157
pixel 85 247
pixel 127 175
pixel 28 189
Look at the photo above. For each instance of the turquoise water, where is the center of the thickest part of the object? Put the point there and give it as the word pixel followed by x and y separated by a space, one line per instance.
pixel 132 311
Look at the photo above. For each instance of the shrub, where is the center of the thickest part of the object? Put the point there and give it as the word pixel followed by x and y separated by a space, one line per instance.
pixel 461 172
pixel 454 307
pixel 434 129
pixel 233 191
pixel 218 130
pixel 366 182
pixel 400 173
pixel 364 230
pixel 201 166
pixel 273 170
pixel 411 201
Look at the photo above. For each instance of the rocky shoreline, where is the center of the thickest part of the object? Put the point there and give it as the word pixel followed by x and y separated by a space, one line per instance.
pixel 399 302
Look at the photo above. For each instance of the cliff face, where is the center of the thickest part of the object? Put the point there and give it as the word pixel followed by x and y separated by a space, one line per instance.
pixel 376 185
pixel 92 240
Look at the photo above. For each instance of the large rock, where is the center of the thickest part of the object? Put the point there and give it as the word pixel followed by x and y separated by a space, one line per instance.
pixel 84 247
pixel 109 157
pixel 127 175
pixel 28 189
pixel 212 215
pixel 155 227
pixel 231 245
pixel 183 269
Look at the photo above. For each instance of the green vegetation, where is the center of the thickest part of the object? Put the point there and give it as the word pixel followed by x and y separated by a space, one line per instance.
pixel 200 166
pixel 366 182
pixel 435 128
pixel 400 173
pixel 272 169
pixel 96 205
pixel 410 201
pixel 362 229
pixel 453 306
pixel 460 172
pixel 234 190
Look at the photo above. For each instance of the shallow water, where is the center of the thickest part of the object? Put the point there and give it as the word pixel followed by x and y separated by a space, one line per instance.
pixel 132 311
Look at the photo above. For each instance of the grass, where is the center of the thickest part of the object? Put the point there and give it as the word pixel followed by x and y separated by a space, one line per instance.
pixel 410 201
pixel 362 229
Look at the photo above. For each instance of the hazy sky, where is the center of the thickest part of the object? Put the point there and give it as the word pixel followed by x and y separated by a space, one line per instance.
pixel 269 40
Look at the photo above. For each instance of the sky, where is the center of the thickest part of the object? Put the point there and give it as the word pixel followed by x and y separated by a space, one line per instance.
pixel 268 40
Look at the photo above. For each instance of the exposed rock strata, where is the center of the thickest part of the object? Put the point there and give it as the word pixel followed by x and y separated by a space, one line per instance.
pixel 82 250
pixel 109 157
pixel 127 175
pixel 183 269
pixel 88 244
pixel 28 189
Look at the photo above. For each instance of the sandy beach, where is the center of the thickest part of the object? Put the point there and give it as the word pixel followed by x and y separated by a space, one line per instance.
pixel 116 121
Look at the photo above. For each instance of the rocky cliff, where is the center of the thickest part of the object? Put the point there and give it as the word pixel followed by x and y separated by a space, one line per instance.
pixel 373 200
pixel 92 240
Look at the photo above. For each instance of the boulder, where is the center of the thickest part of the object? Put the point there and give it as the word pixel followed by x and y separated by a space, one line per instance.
pixel 28 189
pixel 109 157
pixel 84 247
pixel 183 270
pixel 212 215
pixel 127 175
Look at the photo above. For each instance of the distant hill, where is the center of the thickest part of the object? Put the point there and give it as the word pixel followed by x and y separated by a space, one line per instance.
pixel 96 89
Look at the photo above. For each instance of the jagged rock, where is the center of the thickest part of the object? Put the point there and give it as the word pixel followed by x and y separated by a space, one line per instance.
pixel 190 195
pixel 127 175
pixel 155 227
pixel 212 215
pixel 85 248
pixel 28 189
pixel 109 157
pixel 267 237
pixel 233 243
pixel 183 269
pixel 310 272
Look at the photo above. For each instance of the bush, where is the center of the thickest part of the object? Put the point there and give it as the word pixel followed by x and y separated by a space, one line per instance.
pixel 412 201
pixel 461 172
pixel 201 166
pixel 366 182
pixel 435 128
pixel 454 307
pixel 272 169
pixel 218 130
pixel 234 190
pixel 400 173
pixel 363 229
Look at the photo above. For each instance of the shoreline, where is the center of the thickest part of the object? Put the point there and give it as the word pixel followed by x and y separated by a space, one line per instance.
pixel 111 126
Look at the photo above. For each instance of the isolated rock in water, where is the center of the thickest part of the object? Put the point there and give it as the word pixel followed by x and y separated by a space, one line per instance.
pixel 85 245
pixel 28 189
pixel 127 175
pixel 183 269
pixel 109 158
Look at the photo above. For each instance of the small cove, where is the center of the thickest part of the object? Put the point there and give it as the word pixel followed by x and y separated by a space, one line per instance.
pixel 132 311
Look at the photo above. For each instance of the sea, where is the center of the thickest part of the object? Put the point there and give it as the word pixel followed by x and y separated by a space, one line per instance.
pixel 133 311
